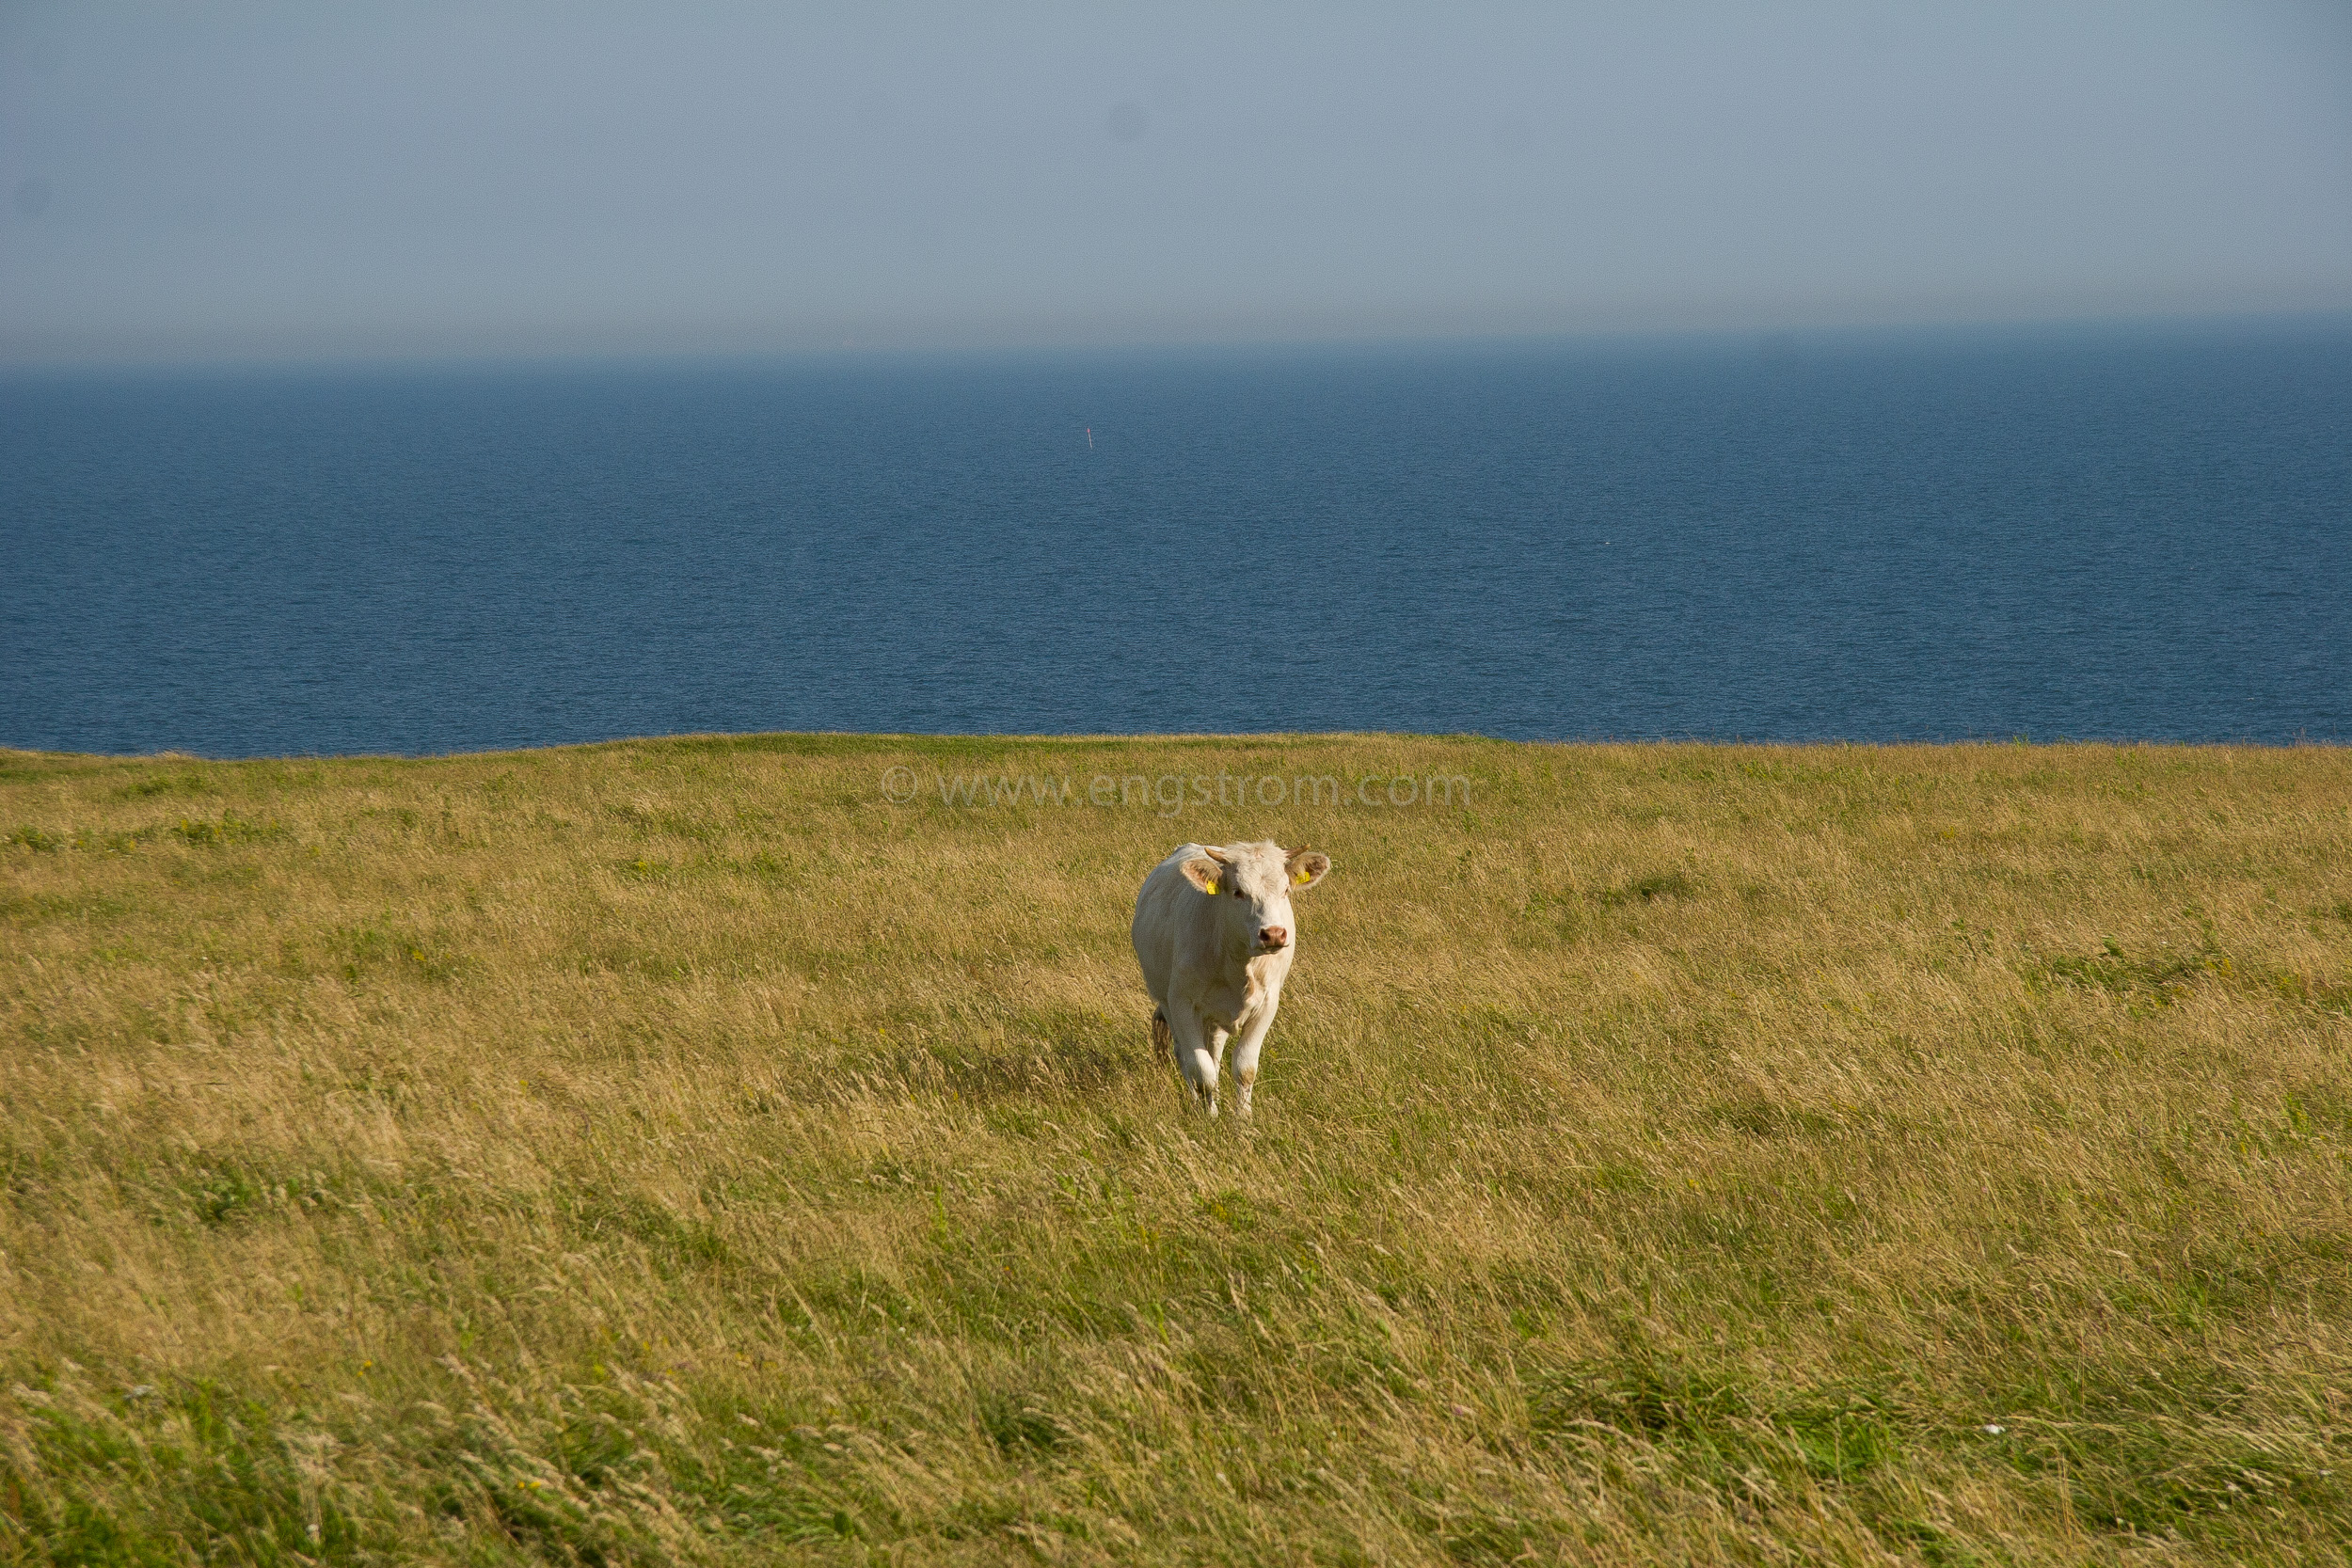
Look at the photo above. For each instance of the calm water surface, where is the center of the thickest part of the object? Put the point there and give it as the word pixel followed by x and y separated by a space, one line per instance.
pixel 2091 535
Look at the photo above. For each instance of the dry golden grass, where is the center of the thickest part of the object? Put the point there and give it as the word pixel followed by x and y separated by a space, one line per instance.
pixel 674 1152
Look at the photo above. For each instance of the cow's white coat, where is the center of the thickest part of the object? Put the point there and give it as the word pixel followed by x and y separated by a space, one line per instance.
pixel 1215 936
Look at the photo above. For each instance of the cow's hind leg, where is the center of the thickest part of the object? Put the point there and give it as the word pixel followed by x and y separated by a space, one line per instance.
pixel 1163 1038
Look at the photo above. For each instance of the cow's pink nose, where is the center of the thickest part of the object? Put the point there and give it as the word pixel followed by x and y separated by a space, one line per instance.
pixel 1274 936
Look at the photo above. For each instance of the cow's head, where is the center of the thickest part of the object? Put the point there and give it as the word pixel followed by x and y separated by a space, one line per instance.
pixel 1252 884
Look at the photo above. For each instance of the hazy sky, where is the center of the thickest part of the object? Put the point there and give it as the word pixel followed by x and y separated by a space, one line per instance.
pixel 189 181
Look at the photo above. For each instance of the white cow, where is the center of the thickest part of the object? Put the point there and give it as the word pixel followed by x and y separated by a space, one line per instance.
pixel 1215 935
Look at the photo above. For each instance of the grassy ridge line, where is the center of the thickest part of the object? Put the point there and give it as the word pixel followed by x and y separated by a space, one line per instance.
pixel 666 1151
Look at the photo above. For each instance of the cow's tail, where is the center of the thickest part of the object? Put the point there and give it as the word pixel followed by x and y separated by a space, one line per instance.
pixel 1163 1038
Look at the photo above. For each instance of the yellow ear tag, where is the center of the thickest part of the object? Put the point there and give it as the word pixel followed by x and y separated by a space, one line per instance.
pixel 1210 886
pixel 1302 879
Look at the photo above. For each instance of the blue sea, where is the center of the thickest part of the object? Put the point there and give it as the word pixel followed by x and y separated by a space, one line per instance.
pixel 2088 534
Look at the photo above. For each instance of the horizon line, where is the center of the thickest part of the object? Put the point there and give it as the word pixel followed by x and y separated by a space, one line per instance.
pixel 516 354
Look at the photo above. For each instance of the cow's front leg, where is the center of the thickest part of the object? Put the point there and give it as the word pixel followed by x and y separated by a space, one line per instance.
pixel 1211 1061
pixel 1200 1045
pixel 1251 1041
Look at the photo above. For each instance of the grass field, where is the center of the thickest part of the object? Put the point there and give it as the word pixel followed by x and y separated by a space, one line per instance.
pixel 676 1151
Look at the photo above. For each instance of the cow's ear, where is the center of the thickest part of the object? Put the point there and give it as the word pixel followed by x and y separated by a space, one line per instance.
pixel 1306 868
pixel 1201 873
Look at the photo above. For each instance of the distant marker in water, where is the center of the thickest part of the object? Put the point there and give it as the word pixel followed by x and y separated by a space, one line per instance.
pixel 1089 437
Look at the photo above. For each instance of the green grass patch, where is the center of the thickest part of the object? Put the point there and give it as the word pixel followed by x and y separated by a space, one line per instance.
pixel 675 1151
